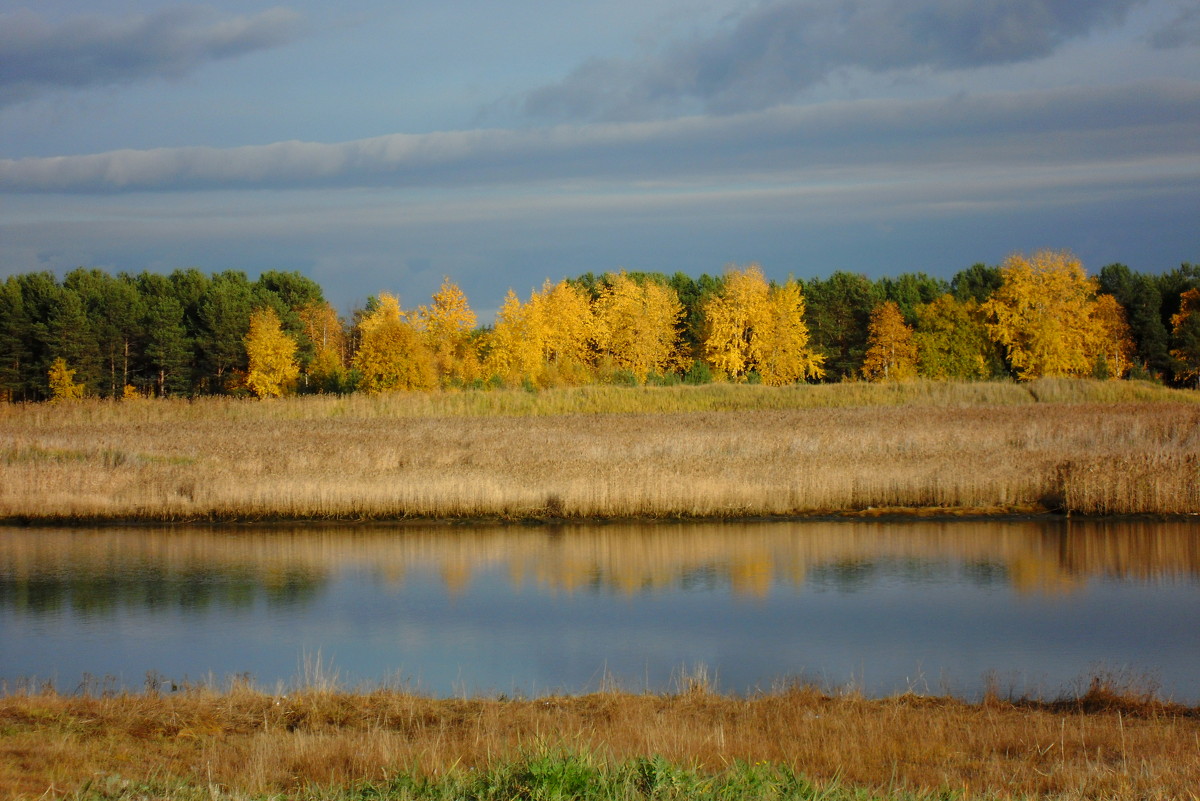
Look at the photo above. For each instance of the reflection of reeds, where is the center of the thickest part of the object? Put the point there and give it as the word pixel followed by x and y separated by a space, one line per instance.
pixel 466 455
pixel 1102 744
pixel 749 558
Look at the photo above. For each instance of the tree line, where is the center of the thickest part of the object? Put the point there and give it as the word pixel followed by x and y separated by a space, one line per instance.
pixel 190 333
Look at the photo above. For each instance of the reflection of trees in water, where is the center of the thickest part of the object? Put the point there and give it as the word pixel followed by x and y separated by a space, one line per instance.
pixel 196 569
pixel 154 588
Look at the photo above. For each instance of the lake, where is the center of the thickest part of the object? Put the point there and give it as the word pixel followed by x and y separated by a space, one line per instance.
pixel 1028 606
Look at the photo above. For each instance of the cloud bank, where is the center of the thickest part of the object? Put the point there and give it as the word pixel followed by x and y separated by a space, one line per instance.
pixel 37 56
pixel 777 49
pixel 1062 126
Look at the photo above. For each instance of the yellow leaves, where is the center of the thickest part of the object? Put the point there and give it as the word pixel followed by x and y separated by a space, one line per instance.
pixel 752 326
pixel 1043 314
pixel 324 329
pixel 62 382
pixel 545 341
pixel 635 325
pixel 446 326
pixel 271 354
pixel 1185 335
pixel 891 353
pixel 786 357
pixel 1114 341
pixel 514 346
pixel 391 354
pixel 561 318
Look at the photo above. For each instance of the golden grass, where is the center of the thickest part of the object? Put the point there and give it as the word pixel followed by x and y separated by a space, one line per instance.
pixel 1107 743
pixel 605 452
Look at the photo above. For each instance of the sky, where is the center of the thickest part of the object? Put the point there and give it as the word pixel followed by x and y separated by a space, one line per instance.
pixel 380 146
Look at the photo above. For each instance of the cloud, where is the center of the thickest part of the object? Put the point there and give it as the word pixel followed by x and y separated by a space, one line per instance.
pixel 779 48
pixel 1183 31
pixel 1132 122
pixel 37 56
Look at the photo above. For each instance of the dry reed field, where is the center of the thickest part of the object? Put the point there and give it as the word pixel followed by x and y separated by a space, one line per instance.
pixel 1107 743
pixel 606 452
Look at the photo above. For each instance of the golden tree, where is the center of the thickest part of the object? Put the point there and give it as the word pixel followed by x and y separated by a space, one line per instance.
pixel 786 357
pixel 324 328
pixel 1114 341
pixel 560 317
pixel 391 354
pixel 514 346
pixel 636 325
pixel 271 355
pixel 1043 315
pixel 891 353
pixel 62 382
pixel 750 325
pixel 734 321
pixel 1185 335
pixel 446 325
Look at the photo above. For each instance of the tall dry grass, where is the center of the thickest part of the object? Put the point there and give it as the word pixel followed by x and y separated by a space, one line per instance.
pixel 704 452
pixel 1107 743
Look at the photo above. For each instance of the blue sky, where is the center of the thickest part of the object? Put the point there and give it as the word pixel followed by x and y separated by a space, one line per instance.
pixel 381 146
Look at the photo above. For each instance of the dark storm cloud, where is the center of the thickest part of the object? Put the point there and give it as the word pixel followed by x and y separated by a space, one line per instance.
pixel 37 55
pixel 777 49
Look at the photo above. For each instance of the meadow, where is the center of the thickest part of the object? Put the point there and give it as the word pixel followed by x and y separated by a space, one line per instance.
pixel 1110 740
pixel 603 452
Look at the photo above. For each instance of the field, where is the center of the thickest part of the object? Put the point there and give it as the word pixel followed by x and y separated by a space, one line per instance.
pixel 710 452
pixel 1112 740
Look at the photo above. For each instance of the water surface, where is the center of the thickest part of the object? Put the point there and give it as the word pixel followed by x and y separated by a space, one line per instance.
pixel 1031 606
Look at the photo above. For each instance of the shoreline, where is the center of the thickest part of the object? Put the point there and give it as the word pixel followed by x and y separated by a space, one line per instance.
pixel 883 515
pixel 1109 740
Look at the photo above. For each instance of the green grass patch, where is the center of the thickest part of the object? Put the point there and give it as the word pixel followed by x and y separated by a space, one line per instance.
pixel 544 775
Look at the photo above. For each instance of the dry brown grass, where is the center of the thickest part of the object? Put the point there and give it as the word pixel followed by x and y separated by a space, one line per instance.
pixel 1105 744
pixel 519 455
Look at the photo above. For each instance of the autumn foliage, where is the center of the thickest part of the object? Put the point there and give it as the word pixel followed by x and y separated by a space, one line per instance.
pixel 190 334
pixel 271 354
pixel 753 327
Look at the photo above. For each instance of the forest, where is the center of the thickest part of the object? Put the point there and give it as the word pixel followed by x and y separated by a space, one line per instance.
pixel 189 333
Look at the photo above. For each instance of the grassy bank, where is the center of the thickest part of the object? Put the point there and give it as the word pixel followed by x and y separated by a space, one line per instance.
pixel 1106 741
pixel 606 452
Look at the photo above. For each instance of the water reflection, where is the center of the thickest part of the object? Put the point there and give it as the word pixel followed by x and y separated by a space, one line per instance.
pixel 556 606
pixel 98 572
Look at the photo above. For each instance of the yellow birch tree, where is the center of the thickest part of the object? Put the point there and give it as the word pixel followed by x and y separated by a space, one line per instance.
pixel 636 325
pixel 325 330
pixel 891 353
pixel 446 325
pixel 271 355
pixel 1114 340
pixel 514 345
pixel 1042 315
pixel 561 317
pixel 750 325
pixel 786 357
pixel 391 354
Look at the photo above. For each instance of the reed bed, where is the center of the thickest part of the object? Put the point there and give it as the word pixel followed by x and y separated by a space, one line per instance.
pixel 606 452
pixel 1110 741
